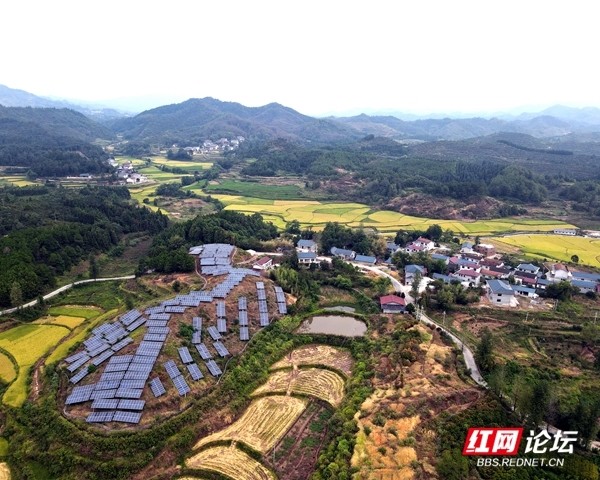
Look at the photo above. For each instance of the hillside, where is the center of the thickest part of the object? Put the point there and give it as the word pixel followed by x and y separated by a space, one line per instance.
pixel 195 120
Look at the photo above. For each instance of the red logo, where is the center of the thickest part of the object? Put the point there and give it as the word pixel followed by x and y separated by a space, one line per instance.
pixel 492 441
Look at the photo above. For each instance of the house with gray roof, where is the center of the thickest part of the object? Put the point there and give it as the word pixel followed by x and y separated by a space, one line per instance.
pixel 369 260
pixel 501 293
pixel 528 268
pixel 410 271
pixel 343 253
pixel 306 258
pixel 584 286
pixel 306 246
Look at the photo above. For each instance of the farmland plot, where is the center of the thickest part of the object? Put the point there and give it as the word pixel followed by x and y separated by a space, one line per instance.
pixel 312 355
pixel 313 382
pixel 231 462
pixel 263 424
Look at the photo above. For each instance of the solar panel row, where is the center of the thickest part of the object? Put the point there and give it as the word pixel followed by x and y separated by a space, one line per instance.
pixel 185 355
pixel 79 375
pixel 221 349
pixel 181 385
pixel 213 368
pixel 157 387
pixel 244 334
pixel 214 333
pixel 194 371
pixel 203 351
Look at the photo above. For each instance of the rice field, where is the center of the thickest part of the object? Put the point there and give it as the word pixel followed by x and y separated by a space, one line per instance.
pixel 7 369
pixel 263 424
pixel 190 166
pixel 252 189
pixel 557 247
pixel 27 344
pixel 15 181
pixel 231 462
pixel 315 214
pixel 75 311
pixel 63 320
pixel 312 382
pixel 314 355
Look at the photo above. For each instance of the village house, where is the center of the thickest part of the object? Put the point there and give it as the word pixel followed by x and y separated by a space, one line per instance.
pixel 559 272
pixel 410 271
pixel 486 249
pixel 584 286
pixel 369 260
pixel 466 247
pixel 565 231
pixel 391 247
pixel 306 246
pixel 501 293
pixel 264 263
pixel 466 275
pixel 440 258
pixel 528 268
pixel 392 304
pixel 425 243
pixel 343 253
pixel 414 248
pixel 306 258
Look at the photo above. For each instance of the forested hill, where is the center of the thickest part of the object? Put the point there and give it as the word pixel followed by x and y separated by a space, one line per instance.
pixel 45 231
pixel 51 142
pixel 196 120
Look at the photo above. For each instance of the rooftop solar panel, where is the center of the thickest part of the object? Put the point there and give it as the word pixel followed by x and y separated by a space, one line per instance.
pixel 214 333
pixel 203 351
pixel 244 334
pixel 185 356
pixel 221 349
pixel 213 368
pixel 79 375
pixel 105 404
pixel 128 393
pixel 181 385
pixel 131 405
pixel 96 394
pixel 194 371
pixel 127 417
pixel 100 417
pixel 75 357
pixel 157 387
pixel 196 338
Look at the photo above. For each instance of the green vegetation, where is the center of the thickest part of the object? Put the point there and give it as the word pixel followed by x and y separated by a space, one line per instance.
pixel 253 189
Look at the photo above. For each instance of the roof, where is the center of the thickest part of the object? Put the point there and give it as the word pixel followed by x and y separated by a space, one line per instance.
pixel 391 246
pixel 468 273
pixel 592 277
pixel 520 289
pixel 444 278
pixel 500 287
pixel 423 240
pixel 439 256
pixel 543 281
pixel 466 263
pixel 467 245
pixel 527 267
pixel 306 243
pixel 583 284
pixel 306 255
pixel 414 246
pixel 365 259
pixel 341 252
pixel 415 269
pixel 263 261
pixel 392 299
pixel 490 273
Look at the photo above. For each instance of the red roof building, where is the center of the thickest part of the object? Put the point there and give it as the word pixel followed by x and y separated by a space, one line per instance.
pixel 392 304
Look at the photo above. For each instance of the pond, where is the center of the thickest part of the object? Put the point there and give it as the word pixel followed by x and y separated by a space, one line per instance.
pixel 334 325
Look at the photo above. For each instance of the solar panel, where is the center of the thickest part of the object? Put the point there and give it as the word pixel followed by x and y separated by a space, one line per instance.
pixel 244 334
pixel 78 363
pixel 153 310
pixel 220 309
pixel 213 368
pixel 159 316
pixel 80 394
pixel 242 303
pixel 136 375
pixel 102 357
pixel 243 318
pixel 261 295
pixel 263 318
pixel 156 323
pixel 122 344
pixel 221 349
pixel 262 306
pixel 142 359
pixel 196 338
pixel 103 394
pixel 194 371
pixel 171 368
pixel 197 323
pixel 107 385
pixel 128 393
pixel 79 375
pixel 127 417
pixel 260 286
pixel 130 317
pixel 135 325
pixel 131 404
pixel 75 357
pixel 184 354
pixel 159 330
pixel 93 342
pixel 221 325
pixel 111 376
pixel 105 404
pixel 181 385
pixel 214 333
pixel 157 387
pixel 203 351
pixel 120 359
pixel 133 383
pixel 140 367
pixel 100 417
pixel 175 309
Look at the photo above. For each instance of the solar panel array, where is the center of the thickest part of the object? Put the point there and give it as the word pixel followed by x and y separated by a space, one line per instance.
pixel 244 334
pixel 157 387
pixel 203 351
pixel 194 371
pixel 130 317
pixel 185 355
pixel 281 303
pixel 214 333
pixel 221 325
pixel 213 368
pixel 243 318
pixel 197 323
pixel 221 349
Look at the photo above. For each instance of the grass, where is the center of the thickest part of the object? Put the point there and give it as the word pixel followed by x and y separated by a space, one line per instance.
pixel 3 447
pixel 7 369
pixel 230 462
pixel 263 424
pixel 254 189
pixel 74 311
pixel 27 344
pixel 558 247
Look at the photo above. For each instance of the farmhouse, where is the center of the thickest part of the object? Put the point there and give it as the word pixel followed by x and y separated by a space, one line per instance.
pixel 525 291
pixel 584 286
pixel 306 246
pixel 559 272
pixel 306 258
pixel 501 293
pixel 410 271
pixel 528 268
pixel 343 253
pixel 414 248
pixel 486 249
pixel 466 247
pixel 265 263
pixel 466 275
pixel 365 259
pixel 392 304
pixel 565 231
pixel 391 247
pixel 590 277
pixel 440 258
pixel 425 243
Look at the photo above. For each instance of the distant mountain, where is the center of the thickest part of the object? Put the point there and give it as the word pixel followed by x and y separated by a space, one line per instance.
pixel 195 120
pixel 12 97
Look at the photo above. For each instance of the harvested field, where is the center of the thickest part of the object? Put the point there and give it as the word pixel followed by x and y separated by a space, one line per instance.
pixel 4 471
pixel 231 462
pixel 313 382
pixel 263 424
pixel 332 357
pixel 62 320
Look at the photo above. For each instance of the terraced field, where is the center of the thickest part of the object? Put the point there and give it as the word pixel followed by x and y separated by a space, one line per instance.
pixel 15 180
pixel 313 382
pixel 558 247
pixel 312 355
pixel 231 462
pixel 315 214
pixel 252 189
pixel 7 369
pixel 27 344
pixel 263 424
pixel 63 320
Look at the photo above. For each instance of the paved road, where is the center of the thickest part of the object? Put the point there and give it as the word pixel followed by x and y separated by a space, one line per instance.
pixel 64 289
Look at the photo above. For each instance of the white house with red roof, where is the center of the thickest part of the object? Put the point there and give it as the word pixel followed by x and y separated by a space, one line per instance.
pixel 425 243
pixel 392 304
pixel 264 263
pixel 467 275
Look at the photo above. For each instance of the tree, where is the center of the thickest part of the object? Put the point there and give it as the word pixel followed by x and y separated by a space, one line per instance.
pixel 434 232
pixel 293 227
pixel 414 286
pixel 484 354
pixel 575 258
pixel 452 465
pixel 16 294
pixel 94 271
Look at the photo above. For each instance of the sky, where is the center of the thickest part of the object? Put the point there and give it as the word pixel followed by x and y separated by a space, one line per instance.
pixel 318 57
